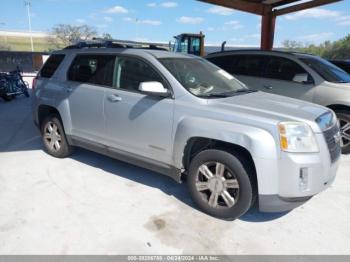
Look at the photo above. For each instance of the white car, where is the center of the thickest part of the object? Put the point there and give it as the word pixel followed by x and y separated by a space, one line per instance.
pixel 295 75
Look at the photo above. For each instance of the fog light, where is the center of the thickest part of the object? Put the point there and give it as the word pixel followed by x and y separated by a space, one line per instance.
pixel 304 179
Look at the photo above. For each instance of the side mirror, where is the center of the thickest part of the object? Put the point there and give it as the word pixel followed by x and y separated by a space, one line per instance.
pixel 303 79
pixel 153 88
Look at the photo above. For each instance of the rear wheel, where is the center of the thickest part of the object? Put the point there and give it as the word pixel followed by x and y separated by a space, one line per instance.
pixel 54 138
pixel 7 98
pixel 25 89
pixel 344 120
pixel 220 184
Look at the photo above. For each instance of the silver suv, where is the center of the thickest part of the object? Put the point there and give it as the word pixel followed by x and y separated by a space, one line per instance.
pixel 295 75
pixel 184 117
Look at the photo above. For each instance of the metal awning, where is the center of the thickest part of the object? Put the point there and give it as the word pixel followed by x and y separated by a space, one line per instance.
pixel 269 10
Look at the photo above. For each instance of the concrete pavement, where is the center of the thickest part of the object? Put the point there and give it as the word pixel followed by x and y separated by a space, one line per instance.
pixel 92 204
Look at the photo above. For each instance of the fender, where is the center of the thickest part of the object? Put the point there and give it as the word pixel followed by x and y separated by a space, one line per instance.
pixel 63 109
pixel 260 143
pixel 56 100
pixel 64 112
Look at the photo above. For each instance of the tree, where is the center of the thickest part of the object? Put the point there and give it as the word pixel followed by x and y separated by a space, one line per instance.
pixel 66 35
pixel 107 36
pixel 339 49
pixel 292 44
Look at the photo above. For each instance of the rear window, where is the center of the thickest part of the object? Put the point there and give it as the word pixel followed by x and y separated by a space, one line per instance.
pixel 93 69
pixel 51 66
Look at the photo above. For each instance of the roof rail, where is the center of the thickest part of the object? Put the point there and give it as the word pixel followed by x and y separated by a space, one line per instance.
pixel 254 50
pixel 114 43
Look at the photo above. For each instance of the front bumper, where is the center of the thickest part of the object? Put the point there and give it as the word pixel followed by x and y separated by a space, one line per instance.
pixel 275 203
pixel 282 188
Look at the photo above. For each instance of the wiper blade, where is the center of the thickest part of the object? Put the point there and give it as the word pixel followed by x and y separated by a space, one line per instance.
pixel 215 95
pixel 231 93
pixel 245 91
pixel 239 91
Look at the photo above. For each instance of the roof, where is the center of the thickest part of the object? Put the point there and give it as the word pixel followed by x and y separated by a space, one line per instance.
pixel 259 51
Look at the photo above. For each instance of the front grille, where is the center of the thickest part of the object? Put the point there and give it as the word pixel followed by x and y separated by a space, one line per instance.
pixel 333 145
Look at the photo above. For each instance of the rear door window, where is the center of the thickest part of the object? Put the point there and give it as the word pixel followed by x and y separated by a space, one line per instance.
pixel 248 65
pixel 282 69
pixel 226 62
pixel 51 66
pixel 93 69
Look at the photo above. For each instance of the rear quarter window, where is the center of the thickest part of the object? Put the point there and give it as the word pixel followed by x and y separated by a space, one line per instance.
pixel 51 66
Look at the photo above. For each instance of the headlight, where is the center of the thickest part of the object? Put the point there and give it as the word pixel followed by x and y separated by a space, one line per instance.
pixel 297 137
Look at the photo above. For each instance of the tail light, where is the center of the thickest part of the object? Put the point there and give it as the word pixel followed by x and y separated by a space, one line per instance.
pixel 34 82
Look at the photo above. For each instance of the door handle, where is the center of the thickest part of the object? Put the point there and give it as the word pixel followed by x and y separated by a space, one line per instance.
pixel 268 87
pixel 114 98
pixel 69 90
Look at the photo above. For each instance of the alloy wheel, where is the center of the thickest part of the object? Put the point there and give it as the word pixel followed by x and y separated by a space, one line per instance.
pixel 217 185
pixel 52 137
pixel 345 131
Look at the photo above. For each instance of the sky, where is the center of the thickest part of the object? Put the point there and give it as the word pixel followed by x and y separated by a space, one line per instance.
pixel 160 20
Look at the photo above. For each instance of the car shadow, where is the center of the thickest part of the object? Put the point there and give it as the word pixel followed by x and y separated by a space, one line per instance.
pixel 159 181
pixel 18 133
pixel 254 215
pixel 134 173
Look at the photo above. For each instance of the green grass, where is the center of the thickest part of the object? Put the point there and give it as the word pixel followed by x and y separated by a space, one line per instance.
pixel 16 43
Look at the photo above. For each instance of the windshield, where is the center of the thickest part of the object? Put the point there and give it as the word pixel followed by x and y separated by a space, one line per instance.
pixel 327 70
pixel 202 78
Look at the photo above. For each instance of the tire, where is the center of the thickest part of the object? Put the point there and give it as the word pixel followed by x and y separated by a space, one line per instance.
pixel 55 142
pixel 228 176
pixel 25 89
pixel 7 98
pixel 26 93
pixel 344 119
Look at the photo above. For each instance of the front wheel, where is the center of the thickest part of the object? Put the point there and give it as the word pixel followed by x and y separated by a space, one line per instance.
pixel 344 120
pixel 220 184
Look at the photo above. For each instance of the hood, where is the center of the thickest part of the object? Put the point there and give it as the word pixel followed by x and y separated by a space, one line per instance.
pixel 260 106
